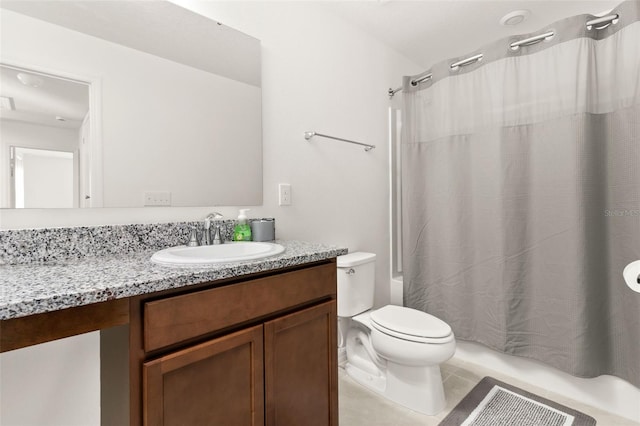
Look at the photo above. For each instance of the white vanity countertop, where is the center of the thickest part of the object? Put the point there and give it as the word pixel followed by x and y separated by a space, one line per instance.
pixel 27 289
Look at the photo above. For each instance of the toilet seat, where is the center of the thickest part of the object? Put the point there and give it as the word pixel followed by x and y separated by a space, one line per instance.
pixel 411 324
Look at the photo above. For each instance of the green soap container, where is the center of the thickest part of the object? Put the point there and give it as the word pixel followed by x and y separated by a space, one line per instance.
pixel 242 230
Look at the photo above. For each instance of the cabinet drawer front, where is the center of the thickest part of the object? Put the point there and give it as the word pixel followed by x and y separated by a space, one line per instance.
pixel 175 319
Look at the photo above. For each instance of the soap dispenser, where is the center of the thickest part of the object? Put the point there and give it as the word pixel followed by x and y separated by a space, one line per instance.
pixel 242 230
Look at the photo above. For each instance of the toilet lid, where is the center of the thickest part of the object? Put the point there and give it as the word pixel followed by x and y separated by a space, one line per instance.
pixel 410 322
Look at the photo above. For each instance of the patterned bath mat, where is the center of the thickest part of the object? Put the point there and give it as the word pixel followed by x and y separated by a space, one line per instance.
pixel 494 403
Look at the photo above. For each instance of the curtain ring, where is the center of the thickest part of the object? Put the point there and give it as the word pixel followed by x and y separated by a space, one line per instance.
pixel 602 23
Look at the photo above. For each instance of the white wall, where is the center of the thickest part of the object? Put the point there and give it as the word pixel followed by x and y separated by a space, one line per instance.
pixel 55 383
pixel 318 74
pixel 324 75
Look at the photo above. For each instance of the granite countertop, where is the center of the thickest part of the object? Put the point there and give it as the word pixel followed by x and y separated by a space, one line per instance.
pixel 27 289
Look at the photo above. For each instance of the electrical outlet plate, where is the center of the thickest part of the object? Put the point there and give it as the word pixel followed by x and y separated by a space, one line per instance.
pixel 284 192
pixel 157 198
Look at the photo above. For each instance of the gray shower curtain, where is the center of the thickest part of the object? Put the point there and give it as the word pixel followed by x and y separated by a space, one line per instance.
pixel 521 196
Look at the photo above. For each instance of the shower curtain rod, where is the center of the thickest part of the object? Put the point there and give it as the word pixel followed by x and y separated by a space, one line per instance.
pixel 597 23
pixel 309 135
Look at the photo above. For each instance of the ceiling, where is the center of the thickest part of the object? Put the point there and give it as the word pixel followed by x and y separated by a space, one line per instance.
pixel 54 97
pixel 430 31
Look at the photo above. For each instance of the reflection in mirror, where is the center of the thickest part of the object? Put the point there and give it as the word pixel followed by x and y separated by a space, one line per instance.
pixel 177 112
pixel 44 128
pixel 42 178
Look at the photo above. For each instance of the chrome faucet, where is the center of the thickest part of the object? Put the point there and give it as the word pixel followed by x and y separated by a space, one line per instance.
pixel 217 238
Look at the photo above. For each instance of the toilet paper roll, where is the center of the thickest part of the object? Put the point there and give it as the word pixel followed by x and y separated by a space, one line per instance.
pixel 631 273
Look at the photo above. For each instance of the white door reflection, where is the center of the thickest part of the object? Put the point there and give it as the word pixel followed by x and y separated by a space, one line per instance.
pixel 43 178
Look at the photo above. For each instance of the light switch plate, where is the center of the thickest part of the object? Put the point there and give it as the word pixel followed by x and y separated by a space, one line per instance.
pixel 284 191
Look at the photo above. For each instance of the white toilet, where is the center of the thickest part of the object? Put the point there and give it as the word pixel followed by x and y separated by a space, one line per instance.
pixel 395 351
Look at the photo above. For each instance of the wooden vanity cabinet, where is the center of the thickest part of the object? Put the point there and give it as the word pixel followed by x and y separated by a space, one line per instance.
pixel 267 357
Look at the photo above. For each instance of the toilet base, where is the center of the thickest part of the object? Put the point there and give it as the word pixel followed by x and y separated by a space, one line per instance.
pixel 417 388
pixel 376 383
pixel 342 357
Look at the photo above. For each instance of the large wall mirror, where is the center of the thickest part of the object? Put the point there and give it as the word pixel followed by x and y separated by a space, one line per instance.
pixel 126 104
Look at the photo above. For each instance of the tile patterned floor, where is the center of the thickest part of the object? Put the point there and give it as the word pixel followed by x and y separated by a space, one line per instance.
pixel 361 407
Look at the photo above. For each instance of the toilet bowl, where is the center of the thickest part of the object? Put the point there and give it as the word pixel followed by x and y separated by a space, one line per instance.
pixel 394 350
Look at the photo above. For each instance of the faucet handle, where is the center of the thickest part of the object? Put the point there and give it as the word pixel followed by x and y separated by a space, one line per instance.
pixel 217 236
pixel 207 225
pixel 193 238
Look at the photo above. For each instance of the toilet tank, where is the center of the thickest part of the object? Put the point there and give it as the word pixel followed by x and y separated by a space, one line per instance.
pixel 356 283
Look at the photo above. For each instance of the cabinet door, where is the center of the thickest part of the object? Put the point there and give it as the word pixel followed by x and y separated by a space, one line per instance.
pixel 301 375
pixel 219 382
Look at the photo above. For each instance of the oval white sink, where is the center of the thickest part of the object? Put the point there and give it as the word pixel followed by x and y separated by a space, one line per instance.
pixel 222 253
